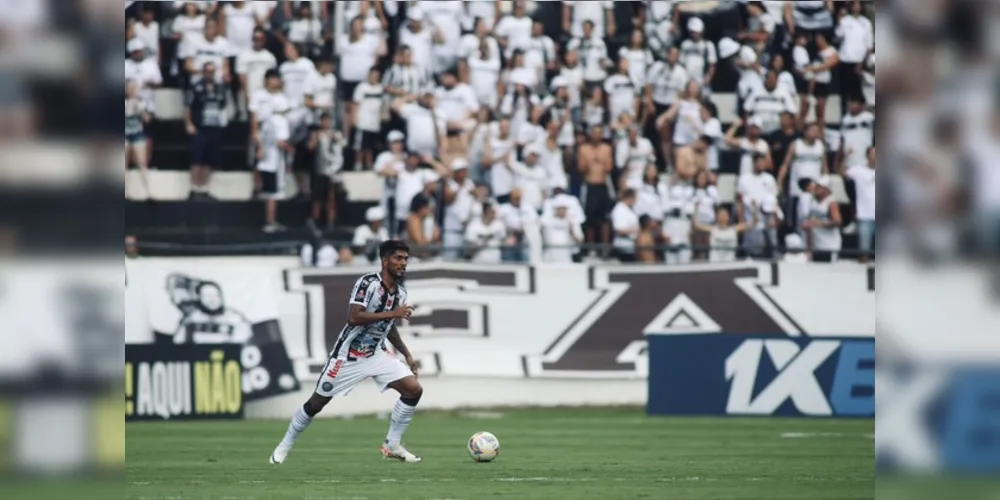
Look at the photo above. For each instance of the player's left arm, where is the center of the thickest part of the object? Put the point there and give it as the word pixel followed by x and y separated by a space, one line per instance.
pixel 397 342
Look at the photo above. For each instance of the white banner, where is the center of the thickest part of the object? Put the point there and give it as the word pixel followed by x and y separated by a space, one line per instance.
pixel 192 301
pixel 531 321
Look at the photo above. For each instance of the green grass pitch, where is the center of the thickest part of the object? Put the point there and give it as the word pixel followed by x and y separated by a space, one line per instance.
pixel 561 454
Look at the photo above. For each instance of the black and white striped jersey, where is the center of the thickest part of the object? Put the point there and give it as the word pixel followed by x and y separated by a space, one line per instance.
pixel 363 341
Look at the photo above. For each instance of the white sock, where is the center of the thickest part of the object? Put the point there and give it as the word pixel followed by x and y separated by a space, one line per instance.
pixel 402 413
pixel 297 426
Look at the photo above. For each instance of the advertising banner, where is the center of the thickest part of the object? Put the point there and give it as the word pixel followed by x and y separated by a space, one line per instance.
pixel 720 374
pixel 188 305
pixel 183 382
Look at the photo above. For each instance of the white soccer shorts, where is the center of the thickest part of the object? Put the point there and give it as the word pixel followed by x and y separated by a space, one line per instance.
pixel 341 376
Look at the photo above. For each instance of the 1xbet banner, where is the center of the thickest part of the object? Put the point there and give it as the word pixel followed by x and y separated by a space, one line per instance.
pixel 721 374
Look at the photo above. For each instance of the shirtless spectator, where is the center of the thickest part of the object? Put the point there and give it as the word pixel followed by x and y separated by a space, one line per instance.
pixel 595 165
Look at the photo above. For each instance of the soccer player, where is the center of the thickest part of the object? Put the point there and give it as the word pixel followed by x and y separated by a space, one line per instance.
pixel 377 300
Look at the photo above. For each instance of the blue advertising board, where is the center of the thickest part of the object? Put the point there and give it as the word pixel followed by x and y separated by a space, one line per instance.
pixel 720 374
pixel 930 417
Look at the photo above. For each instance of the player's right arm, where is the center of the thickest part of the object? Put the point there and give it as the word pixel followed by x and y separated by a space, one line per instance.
pixel 357 315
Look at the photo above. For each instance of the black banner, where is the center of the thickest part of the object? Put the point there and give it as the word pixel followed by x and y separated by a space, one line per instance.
pixel 183 382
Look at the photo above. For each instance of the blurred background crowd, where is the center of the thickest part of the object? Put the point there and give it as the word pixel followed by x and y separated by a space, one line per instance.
pixel 654 131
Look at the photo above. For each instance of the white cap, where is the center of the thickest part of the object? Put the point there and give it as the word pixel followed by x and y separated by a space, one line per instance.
pixel 558 81
pixel 533 149
pixel 560 202
pixel 728 47
pixel 748 55
pixel 794 242
pixel 415 13
pixel 696 25
pixel 135 44
pixel 394 136
pixel 375 214
pixel 756 121
pixel 824 180
pixel 459 164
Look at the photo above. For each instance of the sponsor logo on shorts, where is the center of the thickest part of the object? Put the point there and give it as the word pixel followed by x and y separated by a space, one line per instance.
pixel 332 372
pixel 327 386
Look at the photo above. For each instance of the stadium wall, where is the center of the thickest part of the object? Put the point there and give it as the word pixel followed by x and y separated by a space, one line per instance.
pixel 489 336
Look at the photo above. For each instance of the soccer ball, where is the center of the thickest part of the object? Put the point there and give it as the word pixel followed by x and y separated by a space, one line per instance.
pixel 484 447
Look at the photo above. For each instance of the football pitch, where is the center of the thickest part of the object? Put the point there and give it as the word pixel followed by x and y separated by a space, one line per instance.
pixel 560 454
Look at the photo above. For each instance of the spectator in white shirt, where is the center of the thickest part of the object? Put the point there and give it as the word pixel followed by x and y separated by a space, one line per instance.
pixel 698 55
pixel 210 48
pixel 560 233
pixel 868 81
pixel 857 132
pixel 424 128
pixel 410 182
pixel 512 29
pixel 519 219
pixel 444 18
pixel 857 41
pixel 486 10
pixel 239 23
pixel 758 192
pixel 367 116
pixel 552 155
pixel 530 177
pixel 632 154
pixel 625 224
pixel 251 65
pixel 421 39
pixel 822 71
pixel 623 92
pixel 185 28
pixel 539 54
pixel 470 44
pixel 485 235
pixel 749 145
pixel 769 103
pixel 600 14
pixel 650 192
pixel 458 200
pixel 307 31
pixel 481 71
pixel 388 164
pixel 358 53
pixel 457 105
pixel 148 30
pixel 321 90
pixel 593 55
pixel 759 26
pixel 559 196
pixel 639 58
pixel 144 71
pixel 327 145
pixel 786 80
pixel 368 237
pixel 823 224
pixel 136 118
pixel 722 238
pixel 863 176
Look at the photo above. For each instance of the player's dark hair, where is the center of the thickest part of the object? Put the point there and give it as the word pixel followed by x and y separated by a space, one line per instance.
pixel 387 248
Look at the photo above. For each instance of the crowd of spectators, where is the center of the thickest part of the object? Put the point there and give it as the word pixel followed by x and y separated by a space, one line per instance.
pixel 499 131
